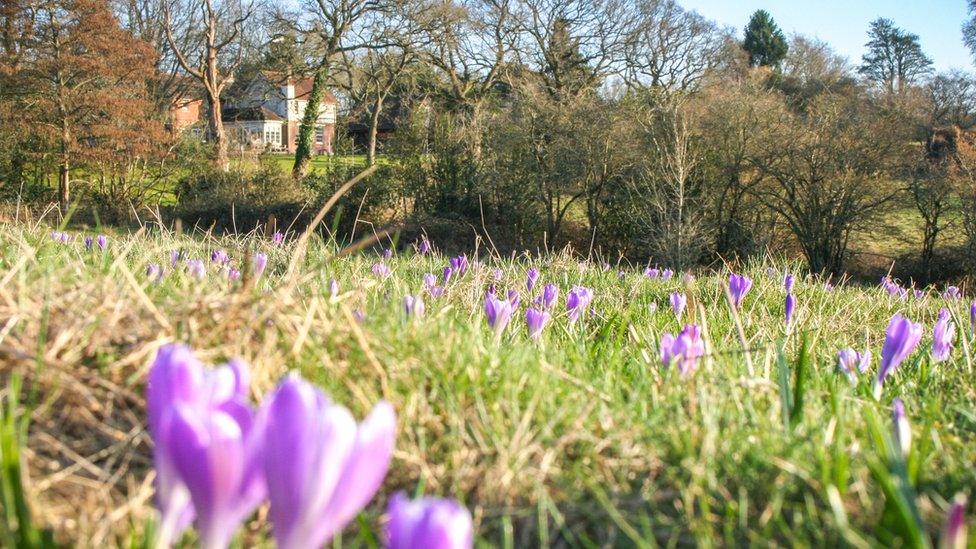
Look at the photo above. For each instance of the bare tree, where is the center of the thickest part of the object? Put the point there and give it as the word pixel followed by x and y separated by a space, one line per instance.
pixel 210 53
pixel 671 48
pixel 952 99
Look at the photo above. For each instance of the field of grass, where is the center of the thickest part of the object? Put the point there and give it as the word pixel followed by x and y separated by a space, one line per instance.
pixel 580 438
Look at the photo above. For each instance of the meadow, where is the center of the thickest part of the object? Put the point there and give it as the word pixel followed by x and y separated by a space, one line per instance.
pixel 753 434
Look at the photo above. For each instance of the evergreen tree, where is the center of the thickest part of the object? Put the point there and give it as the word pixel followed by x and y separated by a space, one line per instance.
pixel 894 59
pixel 764 41
pixel 566 71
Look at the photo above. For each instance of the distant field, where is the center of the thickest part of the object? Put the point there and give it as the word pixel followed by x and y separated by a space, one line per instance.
pixel 582 438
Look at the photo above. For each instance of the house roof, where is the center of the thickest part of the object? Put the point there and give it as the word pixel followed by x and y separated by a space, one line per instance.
pixel 303 85
pixel 234 114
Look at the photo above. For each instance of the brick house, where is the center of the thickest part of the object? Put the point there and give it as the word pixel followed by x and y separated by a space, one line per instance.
pixel 265 113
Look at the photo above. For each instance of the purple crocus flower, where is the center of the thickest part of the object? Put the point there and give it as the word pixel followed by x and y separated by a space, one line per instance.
pixel 497 274
pixel 89 242
pixel 577 302
pixel 954 532
pixel 790 307
pixel 424 246
pixel 514 298
pixel 903 431
pixel 678 303
pixel 498 312
pixel 942 336
pixel 788 282
pixel 430 523
pixel 174 258
pixel 413 306
pixel 686 349
pixel 666 274
pixel 387 254
pixel 828 287
pixel 102 241
pixel 153 272
pixel 260 263
pixel 652 273
pixel 381 270
pixel 531 277
pixel 448 272
pixel 233 274
pixel 219 256
pixel 739 286
pixel 278 237
pixel 430 281
pixel 852 362
pixel 952 293
pixel 536 320
pixel 322 468
pixel 61 237
pixel 621 275
pixel 550 293
pixel 333 287
pixel 193 410
pixel 919 294
pixel 901 338
pixel 196 268
pixel 460 264
pixel 972 316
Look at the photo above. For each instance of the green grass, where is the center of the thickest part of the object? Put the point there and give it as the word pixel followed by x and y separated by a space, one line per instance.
pixel 580 439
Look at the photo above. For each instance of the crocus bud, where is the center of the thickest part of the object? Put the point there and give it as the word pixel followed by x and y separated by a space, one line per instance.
pixel 322 468
pixel 536 320
pixel 333 287
pixel 954 532
pixel 678 303
pixel 739 286
pixel 901 338
pixel 260 263
pixel 550 292
pixel 790 307
pixel 942 336
pixel 102 241
pixel 428 523
pixel 788 282
pixel 531 277
pixel 498 312
pixel 903 430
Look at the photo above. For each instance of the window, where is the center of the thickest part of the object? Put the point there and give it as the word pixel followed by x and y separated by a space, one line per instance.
pixel 319 135
pixel 272 136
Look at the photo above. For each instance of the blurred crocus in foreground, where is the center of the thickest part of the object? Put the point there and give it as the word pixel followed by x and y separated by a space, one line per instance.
pixel 852 362
pixel 739 286
pixel 942 336
pixel 219 256
pixel 678 303
pixel 196 268
pixel 578 301
pixel 428 523
pixel 413 306
pixel 954 532
pixel 536 320
pixel 205 446
pixel 901 338
pixel 322 468
pixel 686 349
pixel 61 237
pixel 498 312
pixel 903 430
pixel 153 272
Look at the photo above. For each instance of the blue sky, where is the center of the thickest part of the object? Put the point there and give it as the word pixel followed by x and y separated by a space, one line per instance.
pixel 844 23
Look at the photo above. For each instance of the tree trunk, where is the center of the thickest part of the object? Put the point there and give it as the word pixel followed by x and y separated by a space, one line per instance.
pixel 374 123
pixel 306 132
pixel 64 167
pixel 215 127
